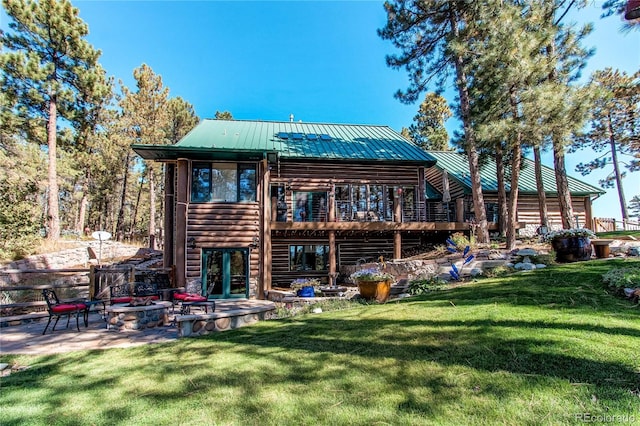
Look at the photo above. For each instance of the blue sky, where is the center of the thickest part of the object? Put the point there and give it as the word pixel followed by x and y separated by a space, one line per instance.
pixel 321 61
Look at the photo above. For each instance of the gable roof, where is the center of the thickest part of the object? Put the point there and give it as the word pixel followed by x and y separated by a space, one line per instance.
pixel 229 139
pixel 457 166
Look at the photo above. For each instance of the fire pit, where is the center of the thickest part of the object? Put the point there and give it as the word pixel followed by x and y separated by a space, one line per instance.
pixel 138 317
pixel 141 301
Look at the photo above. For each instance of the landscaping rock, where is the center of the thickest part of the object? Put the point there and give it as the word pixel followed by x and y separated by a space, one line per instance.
pixel 475 272
pixel 496 255
pixel 527 252
pixel 525 266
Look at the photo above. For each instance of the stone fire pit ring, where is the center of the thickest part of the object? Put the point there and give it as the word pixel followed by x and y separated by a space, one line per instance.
pixel 124 317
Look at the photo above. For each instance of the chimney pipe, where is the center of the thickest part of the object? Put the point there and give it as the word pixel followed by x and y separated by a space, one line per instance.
pixel 291 118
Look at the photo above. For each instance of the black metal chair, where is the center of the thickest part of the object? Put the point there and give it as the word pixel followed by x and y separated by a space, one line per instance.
pixel 57 309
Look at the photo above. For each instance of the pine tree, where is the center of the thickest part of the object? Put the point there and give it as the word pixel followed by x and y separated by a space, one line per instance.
pixel 146 115
pixel 92 116
pixel 433 36
pixel 428 129
pixel 182 118
pixel 634 207
pixel 45 58
pixel 614 128
pixel 505 73
pixel 224 115
pixel 565 105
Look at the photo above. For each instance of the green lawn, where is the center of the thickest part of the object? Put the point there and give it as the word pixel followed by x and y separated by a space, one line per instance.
pixel 618 234
pixel 545 347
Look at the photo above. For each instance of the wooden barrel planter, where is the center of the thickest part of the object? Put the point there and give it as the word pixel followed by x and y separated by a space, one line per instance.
pixel 572 249
pixel 374 290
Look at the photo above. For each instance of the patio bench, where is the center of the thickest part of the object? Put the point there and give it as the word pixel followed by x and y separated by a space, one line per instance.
pixel 125 293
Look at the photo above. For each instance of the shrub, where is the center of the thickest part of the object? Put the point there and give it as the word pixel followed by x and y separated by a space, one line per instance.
pixel 426 285
pixel 620 278
pixel 498 271
pixel 461 241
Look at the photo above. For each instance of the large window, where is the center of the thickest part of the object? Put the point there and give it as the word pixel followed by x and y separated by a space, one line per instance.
pixel 223 182
pixel 310 207
pixel 309 258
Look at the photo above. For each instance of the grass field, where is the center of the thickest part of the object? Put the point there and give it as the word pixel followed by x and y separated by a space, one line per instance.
pixel 619 234
pixel 550 346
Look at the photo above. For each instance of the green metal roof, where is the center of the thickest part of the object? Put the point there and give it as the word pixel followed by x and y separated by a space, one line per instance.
pixel 303 141
pixel 457 166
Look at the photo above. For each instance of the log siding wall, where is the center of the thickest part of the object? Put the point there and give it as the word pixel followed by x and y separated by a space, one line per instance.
pixel 221 225
pixel 529 213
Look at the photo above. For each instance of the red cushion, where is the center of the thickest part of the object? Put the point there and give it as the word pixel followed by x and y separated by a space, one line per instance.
pixel 124 299
pixel 189 297
pixel 68 307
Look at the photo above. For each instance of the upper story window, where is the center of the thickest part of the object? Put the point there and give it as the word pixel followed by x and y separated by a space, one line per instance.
pixel 223 182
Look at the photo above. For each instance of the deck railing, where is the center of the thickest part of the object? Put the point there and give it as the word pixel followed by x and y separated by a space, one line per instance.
pixel 430 211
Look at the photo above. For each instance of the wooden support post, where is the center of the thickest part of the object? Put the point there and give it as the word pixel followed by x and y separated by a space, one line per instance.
pixel 169 209
pixel 92 281
pixel 264 279
pixel 397 245
pixel 460 210
pixel 397 205
pixel 421 214
pixel 332 256
pixel 588 213
pixel 182 195
pixel 332 204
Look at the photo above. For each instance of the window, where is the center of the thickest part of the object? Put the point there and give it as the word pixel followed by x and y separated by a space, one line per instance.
pixel 223 182
pixel 309 258
pixel 310 207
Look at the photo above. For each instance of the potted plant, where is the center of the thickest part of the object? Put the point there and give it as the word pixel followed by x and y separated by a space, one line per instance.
pixel 571 245
pixel 373 283
pixel 305 287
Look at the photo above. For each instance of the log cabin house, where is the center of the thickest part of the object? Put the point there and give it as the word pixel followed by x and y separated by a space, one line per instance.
pixel 255 204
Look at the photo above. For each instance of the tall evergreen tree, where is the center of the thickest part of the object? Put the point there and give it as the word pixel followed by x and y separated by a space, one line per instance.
pixel 147 117
pixel 92 115
pixel 182 118
pixel 224 115
pixel 505 74
pixel 433 38
pixel 634 207
pixel 428 129
pixel 614 128
pixel 565 107
pixel 46 55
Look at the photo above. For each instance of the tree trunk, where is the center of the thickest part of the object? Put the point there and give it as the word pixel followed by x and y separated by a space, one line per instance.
pixel 134 220
pixel 152 209
pixel 562 182
pixel 515 177
pixel 470 142
pixel 82 211
pixel 503 212
pixel 53 217
pixel 616 168
pixel 542 196
pixel 123 197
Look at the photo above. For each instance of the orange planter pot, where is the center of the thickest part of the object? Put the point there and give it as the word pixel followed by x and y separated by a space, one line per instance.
pixel 375 290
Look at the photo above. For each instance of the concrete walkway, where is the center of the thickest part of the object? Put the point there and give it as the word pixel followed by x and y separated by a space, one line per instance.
pixel 28 338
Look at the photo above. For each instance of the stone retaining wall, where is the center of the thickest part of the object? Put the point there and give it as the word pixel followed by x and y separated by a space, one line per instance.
pixel 202 324
pixel 78 256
